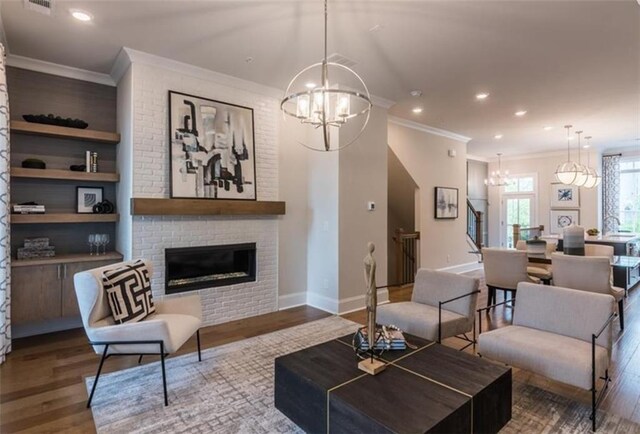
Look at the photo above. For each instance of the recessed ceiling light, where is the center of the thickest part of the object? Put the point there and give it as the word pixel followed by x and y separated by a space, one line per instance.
pixel 80 15
pixel 481 96
pixel 547 128
pixel 497 136
pixel 417 110
pixel 310 85
pixel 585 147
pixel 520 113
pixel 248 59
pixel 416 92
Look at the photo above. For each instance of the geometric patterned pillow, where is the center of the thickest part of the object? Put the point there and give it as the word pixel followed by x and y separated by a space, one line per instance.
pixel 129 292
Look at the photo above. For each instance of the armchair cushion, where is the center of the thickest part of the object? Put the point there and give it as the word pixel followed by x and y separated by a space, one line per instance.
pixel 128 290
pixel 422 320
pixel 555 356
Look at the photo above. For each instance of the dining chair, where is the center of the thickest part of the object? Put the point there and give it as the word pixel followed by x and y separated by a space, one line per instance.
pixel 587 273
pixel 504 269
pixel 598 250
pixel 542 272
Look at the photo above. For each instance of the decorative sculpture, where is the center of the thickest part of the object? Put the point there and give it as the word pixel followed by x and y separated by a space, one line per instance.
pixel 370 364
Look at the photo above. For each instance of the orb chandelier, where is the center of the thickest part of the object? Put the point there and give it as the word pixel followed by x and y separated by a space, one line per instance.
pixel 499 178
pixel 593 179
pixel 583 174
pixel 567 172
pixel 327 105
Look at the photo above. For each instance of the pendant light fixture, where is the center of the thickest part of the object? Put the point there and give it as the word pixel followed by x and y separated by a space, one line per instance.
pixel 593 179
pixel 583 174
pixel 327 105
pixel 567 172
pixel 499 178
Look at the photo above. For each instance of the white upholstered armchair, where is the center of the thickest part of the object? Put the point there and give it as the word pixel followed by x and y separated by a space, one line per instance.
pixel 175 320
pixel 442 305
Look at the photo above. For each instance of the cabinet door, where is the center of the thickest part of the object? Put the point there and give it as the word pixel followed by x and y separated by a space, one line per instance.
pixel 69 300
pixel 35 293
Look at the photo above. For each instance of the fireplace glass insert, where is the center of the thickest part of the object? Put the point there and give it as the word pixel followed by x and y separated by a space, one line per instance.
pixel 191 268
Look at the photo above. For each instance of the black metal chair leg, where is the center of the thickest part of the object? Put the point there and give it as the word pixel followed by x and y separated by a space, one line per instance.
pixel 198 339
pixel 621 313
pixel 164 375
pixel 140 359
pixel 95 382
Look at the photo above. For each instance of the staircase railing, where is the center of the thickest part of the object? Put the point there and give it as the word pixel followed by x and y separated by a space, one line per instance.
pixel 474 225
pixel 407 254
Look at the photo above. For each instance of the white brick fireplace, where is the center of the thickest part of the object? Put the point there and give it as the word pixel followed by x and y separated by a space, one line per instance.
pixel 144 165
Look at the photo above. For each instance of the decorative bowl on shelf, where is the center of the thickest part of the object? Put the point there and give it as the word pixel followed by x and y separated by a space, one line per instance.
pixel 56 120
pixel 593 232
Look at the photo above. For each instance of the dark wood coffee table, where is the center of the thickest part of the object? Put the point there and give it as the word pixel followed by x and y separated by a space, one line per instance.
pixel 430 389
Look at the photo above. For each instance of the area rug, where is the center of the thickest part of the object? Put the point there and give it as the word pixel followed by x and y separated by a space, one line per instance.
pixel 231 391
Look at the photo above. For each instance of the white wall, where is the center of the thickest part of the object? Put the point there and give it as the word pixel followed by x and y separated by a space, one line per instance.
pixel 363 178
pixel 544 167
pixel 443 243
pixel 124 162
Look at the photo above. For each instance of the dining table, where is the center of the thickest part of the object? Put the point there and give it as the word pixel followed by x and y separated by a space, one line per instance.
pixel 626 269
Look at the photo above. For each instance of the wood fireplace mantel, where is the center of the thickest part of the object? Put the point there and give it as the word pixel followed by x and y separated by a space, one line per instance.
pixel 150 206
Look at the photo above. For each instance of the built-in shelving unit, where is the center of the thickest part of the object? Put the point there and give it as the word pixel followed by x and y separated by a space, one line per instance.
pixel 151 206
pixel 65 259
pixel 68 175
pixel 21 127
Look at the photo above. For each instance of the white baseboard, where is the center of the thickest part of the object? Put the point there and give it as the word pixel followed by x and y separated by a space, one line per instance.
pixel 462 268
pixel 353 304
pixel 322 302
pixel 292 300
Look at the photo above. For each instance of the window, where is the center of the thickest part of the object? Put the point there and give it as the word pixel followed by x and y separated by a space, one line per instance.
pixel 518 205
pixel 629 212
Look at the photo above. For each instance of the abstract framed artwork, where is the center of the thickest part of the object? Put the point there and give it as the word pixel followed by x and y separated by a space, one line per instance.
pixel 446 203
pixel 87 197
pixel 562 218
pixel 565 196
pixel 212 149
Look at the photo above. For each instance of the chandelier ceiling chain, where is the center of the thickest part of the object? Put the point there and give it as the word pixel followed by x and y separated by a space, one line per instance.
pixel 327 105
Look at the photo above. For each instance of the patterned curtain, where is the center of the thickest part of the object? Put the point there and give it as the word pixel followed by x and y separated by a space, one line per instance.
pixel 5 245
pixel 610 191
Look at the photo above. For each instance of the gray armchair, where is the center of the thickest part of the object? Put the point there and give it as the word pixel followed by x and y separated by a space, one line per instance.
pixel 442 305
pixel 176 319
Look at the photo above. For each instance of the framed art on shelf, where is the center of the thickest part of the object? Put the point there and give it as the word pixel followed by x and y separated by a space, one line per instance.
pixel 561 218
pixel 446 203
pixel 565 196
pixel 86 198
pixel 212 149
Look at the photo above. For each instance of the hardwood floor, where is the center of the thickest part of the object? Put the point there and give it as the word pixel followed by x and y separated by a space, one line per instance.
pixel 42 388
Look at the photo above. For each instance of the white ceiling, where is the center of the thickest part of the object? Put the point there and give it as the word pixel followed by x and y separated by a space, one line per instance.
pixel 564 61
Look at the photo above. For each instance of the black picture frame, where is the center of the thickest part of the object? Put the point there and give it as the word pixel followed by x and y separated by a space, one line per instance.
pixel 446 203
pixel 218 182
pixel 84 207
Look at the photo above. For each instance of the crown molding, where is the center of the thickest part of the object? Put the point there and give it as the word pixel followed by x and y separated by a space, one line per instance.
pixel 427 129
pixel 477 158
pixel 135 56
pixel 382 102
pixel 57 69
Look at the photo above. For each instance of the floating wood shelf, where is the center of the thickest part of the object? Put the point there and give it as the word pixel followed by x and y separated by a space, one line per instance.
pixel 22 127
pixel 145 206
pixel 65 259
pixel 21 172
pixel 62 218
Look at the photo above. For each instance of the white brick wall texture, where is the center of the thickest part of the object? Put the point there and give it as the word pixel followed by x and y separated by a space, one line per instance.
pixel 152 234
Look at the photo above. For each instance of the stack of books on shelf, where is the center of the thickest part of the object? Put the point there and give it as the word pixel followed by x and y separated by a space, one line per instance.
pixel 36 248
pixel 390 339
pixel 28 209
